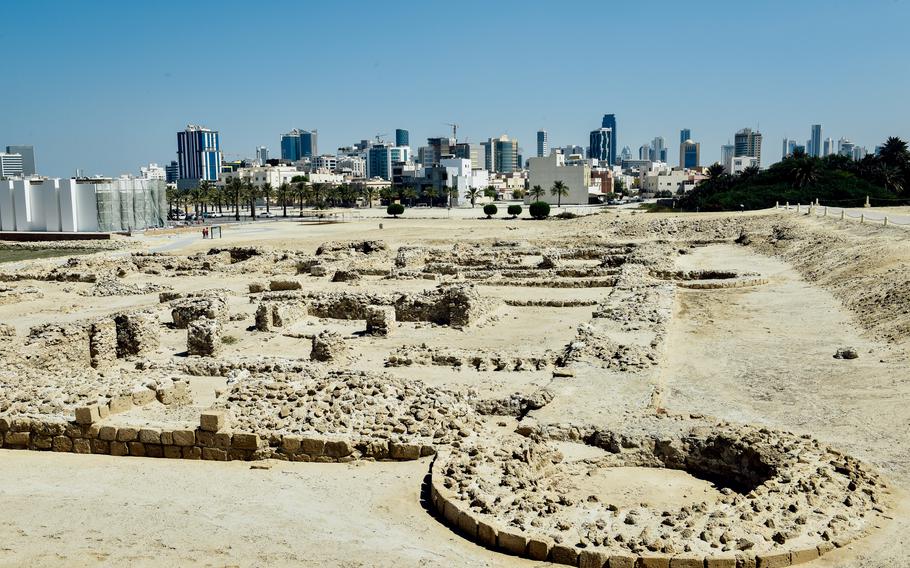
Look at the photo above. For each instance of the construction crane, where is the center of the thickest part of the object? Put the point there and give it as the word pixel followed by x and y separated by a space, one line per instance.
pixel 379 137
pixel 454 130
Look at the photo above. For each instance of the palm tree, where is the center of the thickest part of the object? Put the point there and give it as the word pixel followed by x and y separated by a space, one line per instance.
pixel 749 172
pixel 250 192
pixel 172 196
pixel 803 172
pixel 472 193
pixel 284 192
pixel 560 190
pixel 890 177
pixel 431 193
pixel 300 191
pixel 452 194
pixel 537 192
pixel 369 191
pixel 894 152
pixel 410 194
pixel 518 193
pixel 234 192
pixel 715 171
pixel 267 191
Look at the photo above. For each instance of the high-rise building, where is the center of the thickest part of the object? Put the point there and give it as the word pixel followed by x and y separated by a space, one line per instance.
pixel 599 148
pixel 658 150
pixel 787 147
pixel 298 144
pixel 473 152
pixel 609 121
pixel 262 155
pixel 644 152
pixel 727 152
pixel 381 157
pixel 626 153
pixel 28 158
pixel 684 134
pixel 198 154
pixel 845 147
pixel 815 141
pixel 402 138
pixel 10 165
pixel 689 154
pixel 747 142
pixel 152 171
pixel 829 147
pixel 439 148
pixel 501 155
pixel 543 144
pixel 172 172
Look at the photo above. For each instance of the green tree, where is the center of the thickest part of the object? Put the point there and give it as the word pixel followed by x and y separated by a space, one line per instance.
pixel 715 171
pixel 490 191
pixel 250 193
pixel 472 194
pixel 559 190
pixel 537 192
pixel 431 193
pixel 267 192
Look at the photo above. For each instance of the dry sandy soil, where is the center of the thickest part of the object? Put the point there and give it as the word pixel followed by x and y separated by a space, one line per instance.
pixel 759 354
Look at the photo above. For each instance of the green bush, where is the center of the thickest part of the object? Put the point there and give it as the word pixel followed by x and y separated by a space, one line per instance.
pixel 539 210
pixel 395 209
pixel 566 215
pixel 489 209
pixel 514 210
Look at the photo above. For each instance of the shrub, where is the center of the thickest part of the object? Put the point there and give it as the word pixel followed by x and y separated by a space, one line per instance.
pixel 489 209
pixel 395 209
pixel 228 339
pixel 514 210
pixel 566 215
pixel 539 210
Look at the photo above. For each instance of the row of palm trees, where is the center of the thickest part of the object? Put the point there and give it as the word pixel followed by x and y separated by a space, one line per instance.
pixel 238 194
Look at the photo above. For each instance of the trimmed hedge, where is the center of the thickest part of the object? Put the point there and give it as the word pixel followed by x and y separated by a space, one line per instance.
pixel 514 210
pixel 539 210
pixel 395 209
pixel 489 209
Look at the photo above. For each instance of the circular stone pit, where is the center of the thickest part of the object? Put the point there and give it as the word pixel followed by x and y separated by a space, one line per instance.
pixel 736 494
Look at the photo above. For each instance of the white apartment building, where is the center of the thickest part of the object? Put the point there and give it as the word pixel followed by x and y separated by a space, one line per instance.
pixel 550 169
pixel 460 175
pixel 152 171
pixel 82 205
pixel 261 175
pixel 740 163
pixel 670 180
pixel 10 165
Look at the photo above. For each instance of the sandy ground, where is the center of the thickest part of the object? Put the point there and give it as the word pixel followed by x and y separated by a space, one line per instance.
pixel 760 354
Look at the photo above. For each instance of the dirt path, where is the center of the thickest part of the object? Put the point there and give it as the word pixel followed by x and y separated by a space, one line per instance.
pixel 764 355
pixel 101 510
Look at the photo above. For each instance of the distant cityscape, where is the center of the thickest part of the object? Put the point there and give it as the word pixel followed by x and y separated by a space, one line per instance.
pixel 494 169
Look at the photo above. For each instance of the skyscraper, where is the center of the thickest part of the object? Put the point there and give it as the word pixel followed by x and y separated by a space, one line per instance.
pixel 28 158
pixel 198 154
pixel 609 121
pixel 726 157
pixel 689 154
pixel 543 144
pixel 830 147
pixel 439 147
pixel 172 172
pixel 10 165
pixel 298 144
pixel 600 141
pixel 787 148
pixel 262 155
pixel 501 155
pixel 402 137
pixel 685 134
pixel 747 142
pixel 815 142
pixel 658 150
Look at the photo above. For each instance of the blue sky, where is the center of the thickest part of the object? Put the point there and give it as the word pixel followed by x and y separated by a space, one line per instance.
pixel 105 85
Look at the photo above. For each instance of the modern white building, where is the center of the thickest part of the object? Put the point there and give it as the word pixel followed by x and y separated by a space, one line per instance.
pixel 261 175
pixel 152 171
pixel 10 165
pixel 548 170
pixel 740 163
pixel 673 180
pixel 460 175
pixel 82 204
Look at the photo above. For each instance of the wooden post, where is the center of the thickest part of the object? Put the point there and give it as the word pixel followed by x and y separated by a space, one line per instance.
pixel 886 221
pixel 842 211
pixel 862 218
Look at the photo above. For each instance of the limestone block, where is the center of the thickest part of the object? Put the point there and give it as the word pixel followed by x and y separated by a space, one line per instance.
pixel 328 346
pixel 101 446
pixel 142 396
pixel 192 453
pixel 290 444
pixel 127 434
pixel 404 451
pixel 622 561
pixel 212 420
pixel 592 559
pixel 184 437
pixel 487 534
pixel 150 436
pixel 62 444
pixel 539 548
pixel 804 555
pixel 119 404
pixel 154 450
pixel 203 338
pixel 380 320
pixel 136 449
pixel 772 560
pixel 107 433
pixel 720 562
pixel 119 449
pixel 563 554
pixel 82 446
pixel 102 343
pixel 512 542
pixel 88 414
pixel 243 441
pixel 214 454
pixel 687 561
pixel 279 285
pixel 173 452
pixel 338 448
pixel 138 333
pixel 653 561
pixel 467 525
pixel 17 439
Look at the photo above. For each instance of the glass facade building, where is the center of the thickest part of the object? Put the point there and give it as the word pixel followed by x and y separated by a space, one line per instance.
pixel 298 144
pixel 600 141
pixel 609 121
pixel 198 154
pixel 402 137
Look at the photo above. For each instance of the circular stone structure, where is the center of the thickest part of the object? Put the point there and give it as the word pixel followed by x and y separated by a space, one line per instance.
pixel 777 498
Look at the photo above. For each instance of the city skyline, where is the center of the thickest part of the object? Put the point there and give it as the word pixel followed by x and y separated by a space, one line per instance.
pixel 142 94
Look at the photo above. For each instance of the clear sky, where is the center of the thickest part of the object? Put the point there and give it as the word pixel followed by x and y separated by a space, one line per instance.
pixel 104 85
